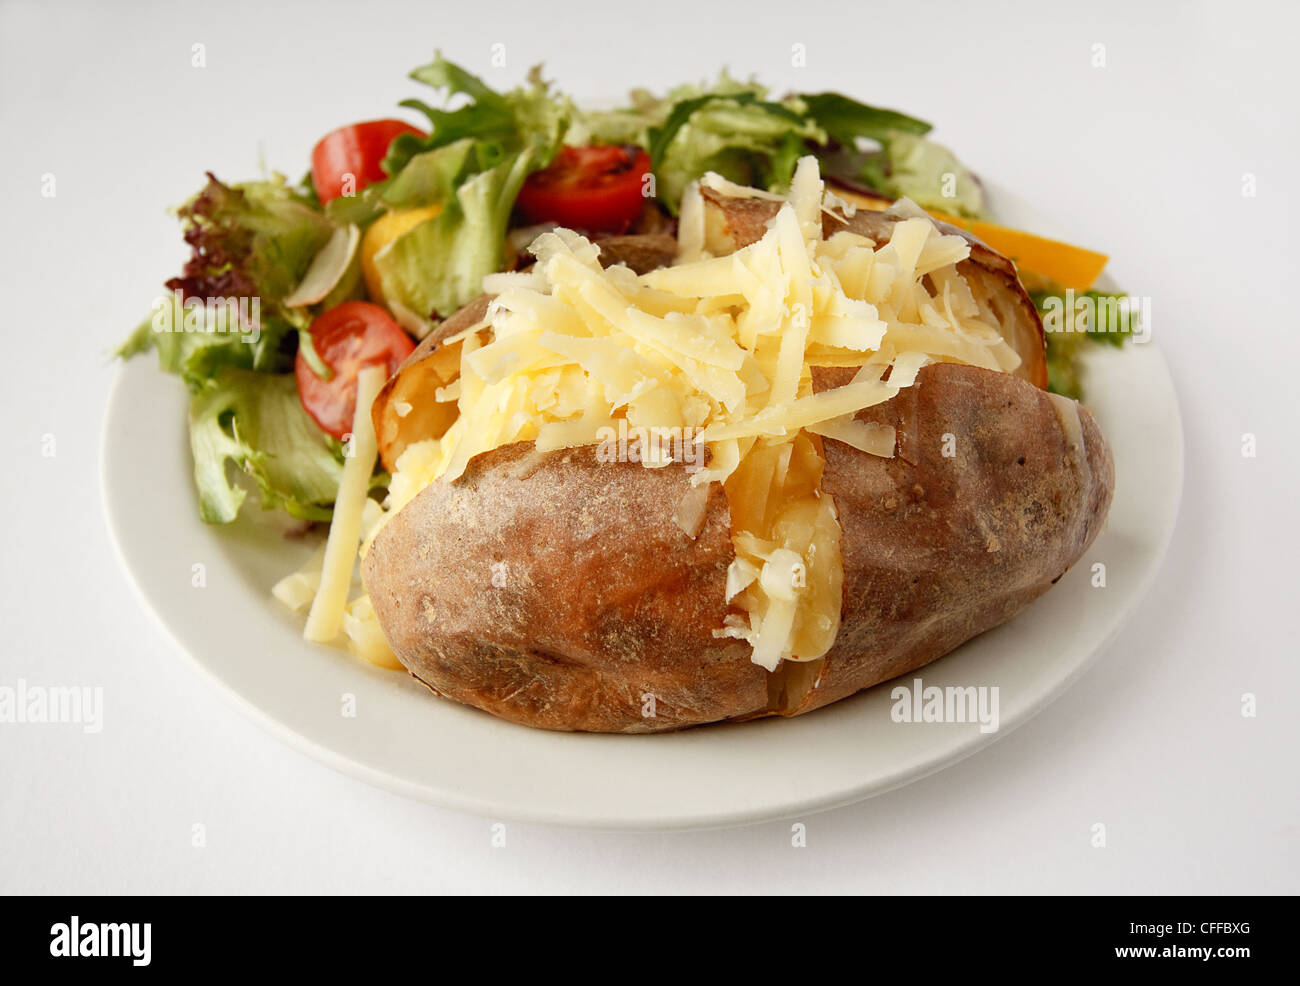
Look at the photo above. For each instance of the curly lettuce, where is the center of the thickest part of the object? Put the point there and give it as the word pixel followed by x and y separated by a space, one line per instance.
pixel 251 239
pixel 927 173
pixel 440 264
pixel 735 129
pixel 255 422
pixel 731 128
pixel 473 164
pixel 1072 322
pixel 250 244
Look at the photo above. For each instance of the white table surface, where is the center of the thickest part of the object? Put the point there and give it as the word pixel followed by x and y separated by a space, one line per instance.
pixel 1143 157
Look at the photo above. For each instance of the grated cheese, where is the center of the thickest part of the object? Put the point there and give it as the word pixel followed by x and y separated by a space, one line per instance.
pixel 721 347
pixel 327 609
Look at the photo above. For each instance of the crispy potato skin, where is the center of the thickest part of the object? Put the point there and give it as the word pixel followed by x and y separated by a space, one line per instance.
pixel 603 599
pixel 599 596
pixel 937 550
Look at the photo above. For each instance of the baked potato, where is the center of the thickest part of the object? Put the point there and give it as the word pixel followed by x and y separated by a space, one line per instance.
pixel 605 601
pixel 562 591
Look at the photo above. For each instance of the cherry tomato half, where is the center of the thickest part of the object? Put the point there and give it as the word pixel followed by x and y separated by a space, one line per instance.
pixel 356 150
pixel 593 188
pixel 348 337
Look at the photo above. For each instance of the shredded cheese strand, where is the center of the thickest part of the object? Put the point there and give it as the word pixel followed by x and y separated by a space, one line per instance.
pixel 327 609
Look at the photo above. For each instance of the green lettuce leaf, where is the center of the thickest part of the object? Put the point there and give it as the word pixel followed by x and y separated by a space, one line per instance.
pixel 440 264
pixel 499 123
pixel 255 421
pixel 488 116
pixel 733 128
pixel 903 162
pixel 730 127
pixel 196 339
pixel 139 341
pixel 473 163
pixel 846 120
pixel 743 138
pixel 1067 339
pixel 432 177
pixel 927 173
pixel 359 210
pixel 742 116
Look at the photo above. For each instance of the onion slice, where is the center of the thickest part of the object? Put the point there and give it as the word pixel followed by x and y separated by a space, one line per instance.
pixel 327 267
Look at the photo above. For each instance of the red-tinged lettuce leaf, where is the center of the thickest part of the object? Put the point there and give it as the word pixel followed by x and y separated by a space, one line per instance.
pixel 251 245
pixel 251 240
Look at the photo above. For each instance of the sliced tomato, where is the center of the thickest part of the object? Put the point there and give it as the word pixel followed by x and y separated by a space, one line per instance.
pixel 346 338
pixel 357 150
pixel 592 188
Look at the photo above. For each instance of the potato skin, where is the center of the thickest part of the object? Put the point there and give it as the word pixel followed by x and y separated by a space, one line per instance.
pixel 938 549
pixel 605 599
pixel 602 599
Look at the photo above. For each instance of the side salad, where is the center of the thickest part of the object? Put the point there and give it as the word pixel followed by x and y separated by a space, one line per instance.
pixel 292 288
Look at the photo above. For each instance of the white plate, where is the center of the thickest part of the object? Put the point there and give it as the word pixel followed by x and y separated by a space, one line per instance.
pixel 404 739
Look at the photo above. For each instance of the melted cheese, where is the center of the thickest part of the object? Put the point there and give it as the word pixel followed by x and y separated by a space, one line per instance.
pixel 722 349
pixel 366 636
